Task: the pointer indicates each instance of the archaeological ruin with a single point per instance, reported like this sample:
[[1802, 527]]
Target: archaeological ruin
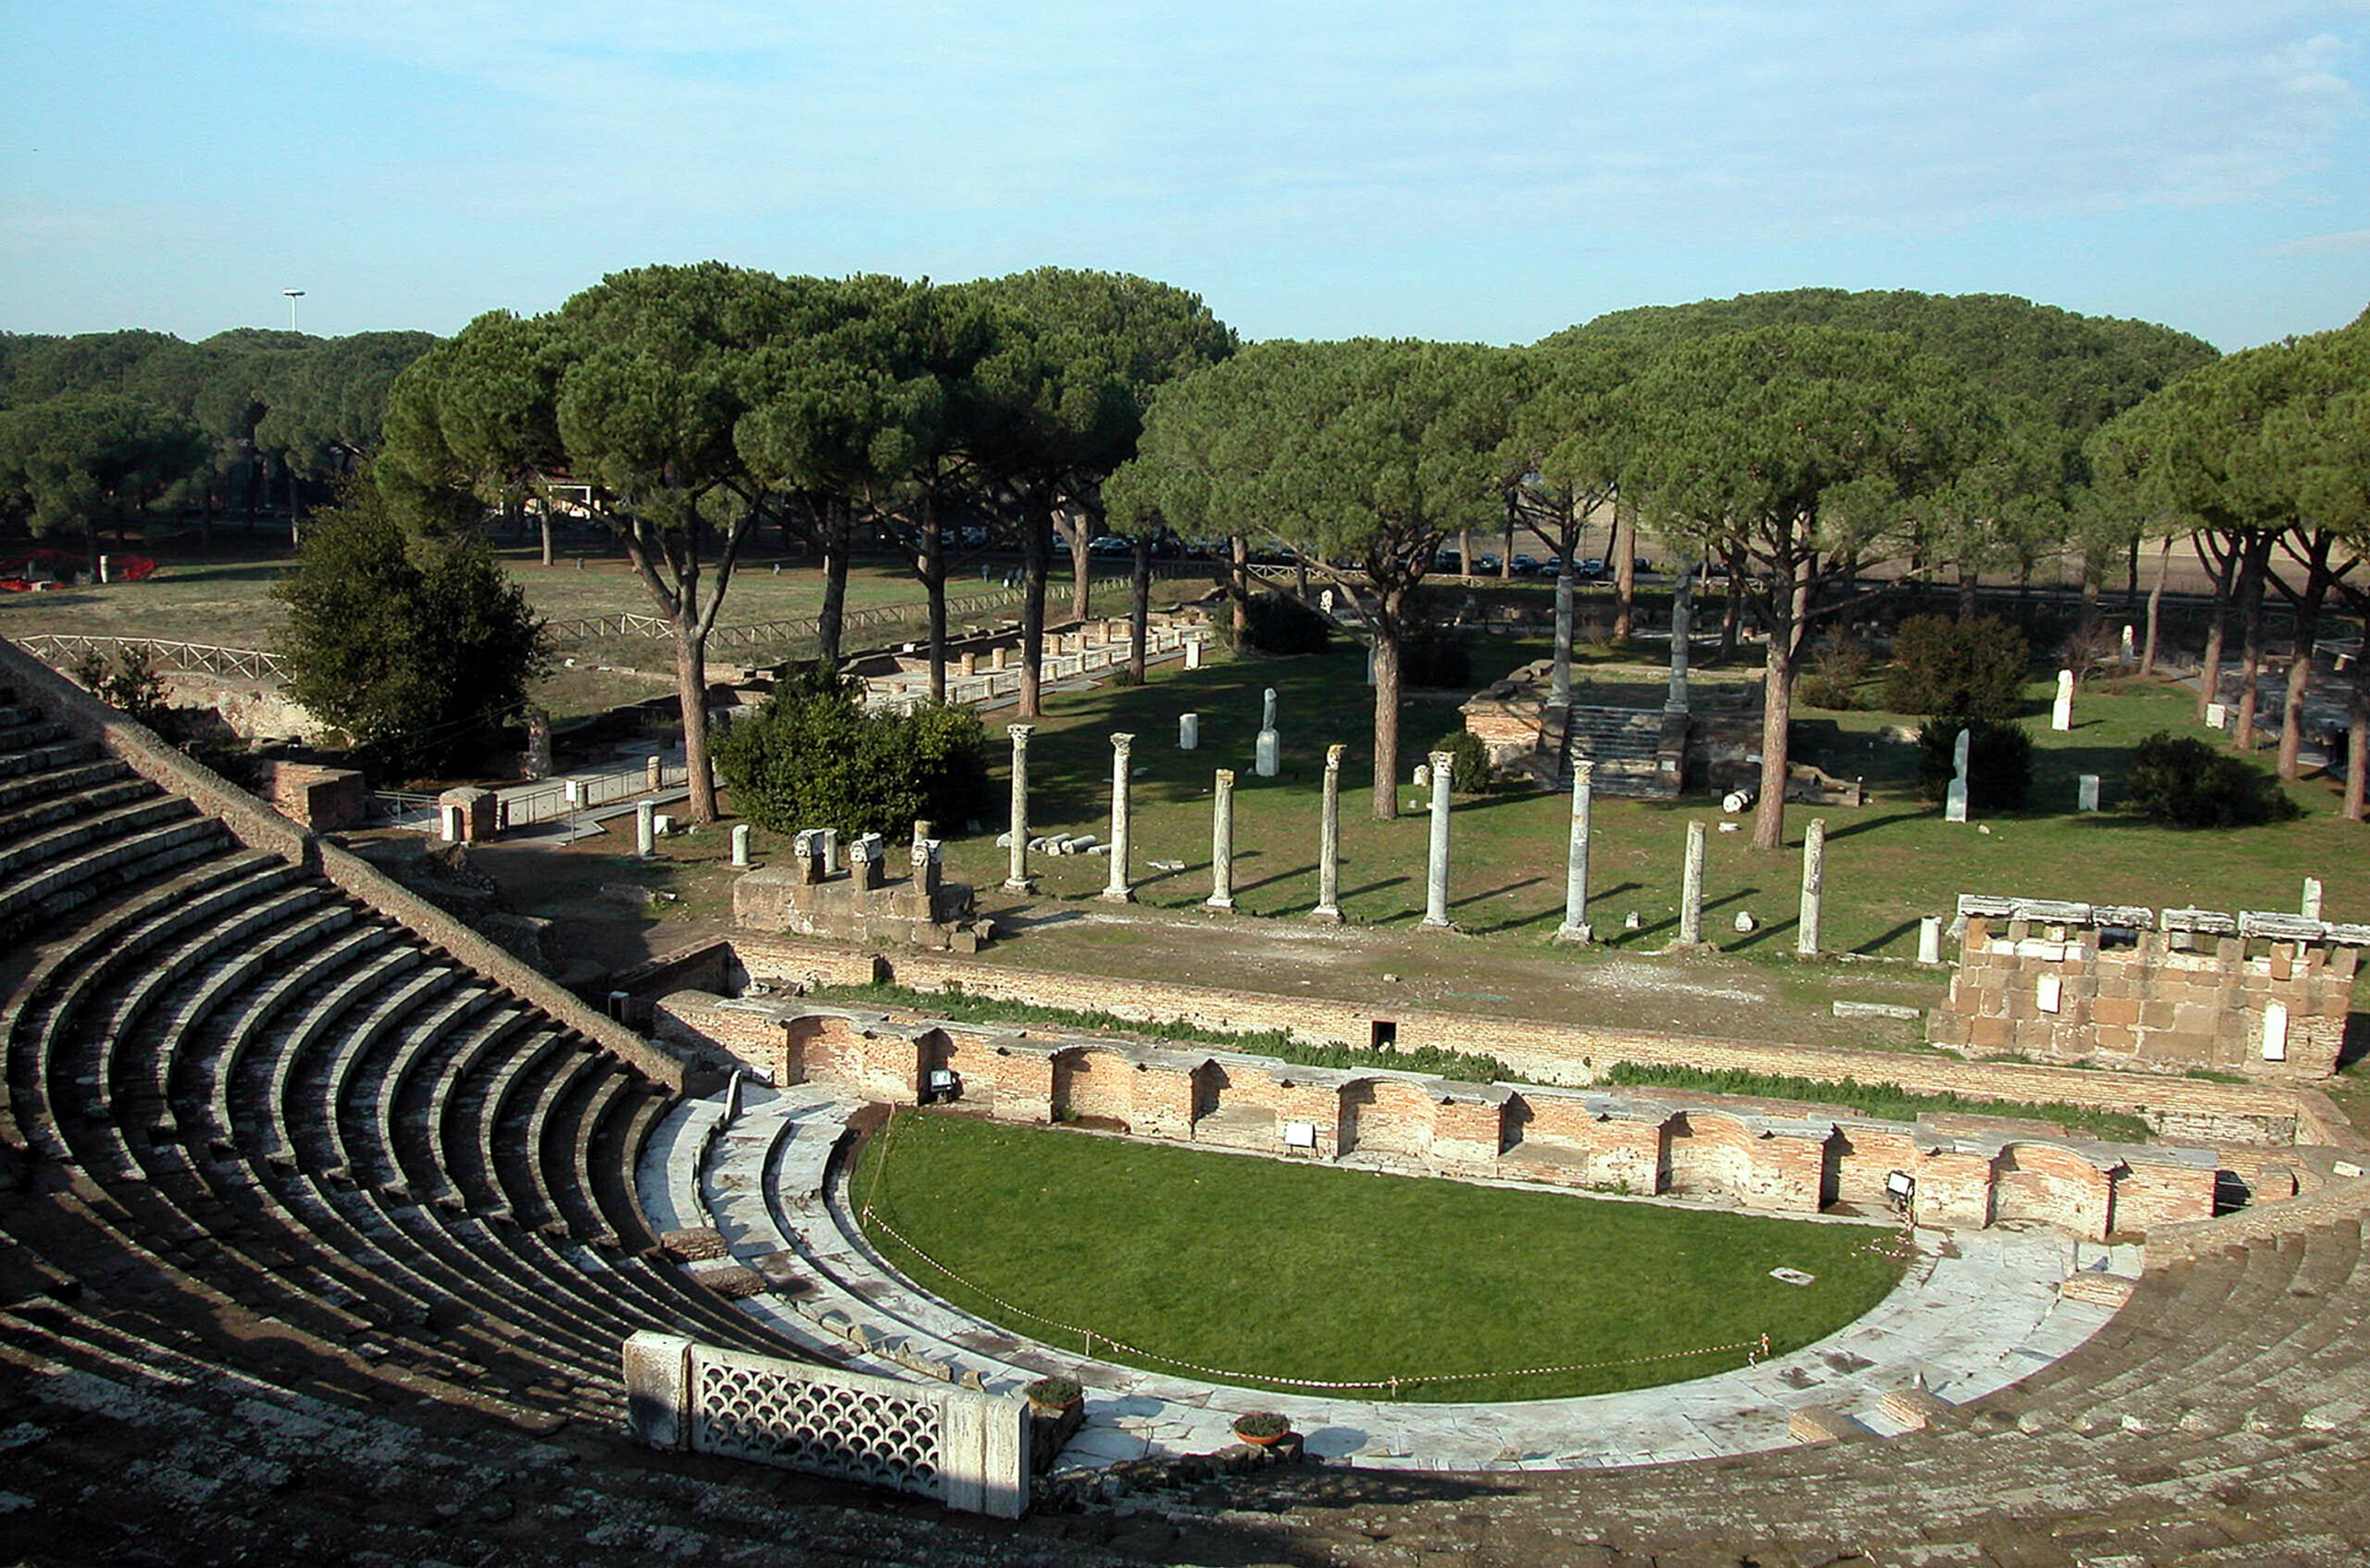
[[336, 1233]]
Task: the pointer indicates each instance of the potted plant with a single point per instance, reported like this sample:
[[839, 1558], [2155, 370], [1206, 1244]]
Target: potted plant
[[1261, 1429], [1052, 1396]]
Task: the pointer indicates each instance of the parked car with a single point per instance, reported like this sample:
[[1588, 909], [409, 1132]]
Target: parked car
[[1448, 561], [1485, 563], [1590, 569], [1526, 565]]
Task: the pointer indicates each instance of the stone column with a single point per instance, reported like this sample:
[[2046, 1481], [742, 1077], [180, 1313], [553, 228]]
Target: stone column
[[1328, 843], [1559, 679], [740, 844], [1691, 891], [1222, 844], [1682, 615], [1436, 873], [1813, 888], [1189, 732], [2061, 713], [1954, 798], [1267, 753], [1016, 879], [645, 828], [1930, 939], [2311, 908], [1117, 890], [654, 773], [1575, 860]]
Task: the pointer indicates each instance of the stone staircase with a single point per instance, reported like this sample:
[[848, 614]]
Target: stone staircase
[[1631, 755]]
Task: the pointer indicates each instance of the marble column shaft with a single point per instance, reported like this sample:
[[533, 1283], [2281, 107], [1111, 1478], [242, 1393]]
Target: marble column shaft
[[1813, 888], [1117, 890], [1222, 843], [1017, 881], [1575, 860], [1436, 870], [1328, 842], [1691, 890]]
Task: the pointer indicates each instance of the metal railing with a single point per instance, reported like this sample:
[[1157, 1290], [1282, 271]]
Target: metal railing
[[64, 649]]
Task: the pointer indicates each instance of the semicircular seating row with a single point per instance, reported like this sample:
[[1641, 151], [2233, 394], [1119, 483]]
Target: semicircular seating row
[[252, 1108]]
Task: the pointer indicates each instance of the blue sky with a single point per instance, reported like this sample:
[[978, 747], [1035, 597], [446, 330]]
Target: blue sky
[[1488, 171]]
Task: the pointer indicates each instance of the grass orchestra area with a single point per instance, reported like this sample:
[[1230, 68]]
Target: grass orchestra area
[[1283, 1275]]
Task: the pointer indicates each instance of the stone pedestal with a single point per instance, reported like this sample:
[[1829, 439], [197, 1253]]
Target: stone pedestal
[[1813, 888], [1189, 732], [2085, 791], [1328, 843], [1017, 878], [1118, 890], [740, 844], [1575, 927], [1222, 843], [1193, 654], [1930, 939], [1267, 755], [2061, 713], [645, 828], [1435, 865], [2311, 908], [654, 773]]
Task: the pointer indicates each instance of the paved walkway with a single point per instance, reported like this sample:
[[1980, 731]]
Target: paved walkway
[[1977, 1310]]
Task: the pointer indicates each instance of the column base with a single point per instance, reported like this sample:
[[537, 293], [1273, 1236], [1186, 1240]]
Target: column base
[[1020, 884], [1431, 925], [1323, 915], [1581, 934], [1217, 904], [1117, 895]]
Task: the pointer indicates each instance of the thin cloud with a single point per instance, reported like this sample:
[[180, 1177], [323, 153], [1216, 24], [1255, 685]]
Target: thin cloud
[[2325, 244]]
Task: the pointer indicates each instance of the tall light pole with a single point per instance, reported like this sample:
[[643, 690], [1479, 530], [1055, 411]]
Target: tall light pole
[[294, 295]]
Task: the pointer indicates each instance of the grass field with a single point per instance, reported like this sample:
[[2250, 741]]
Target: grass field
[[1308, 1272]]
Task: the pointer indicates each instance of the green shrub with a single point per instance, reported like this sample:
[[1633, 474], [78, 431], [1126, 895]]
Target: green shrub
[[1434, 656], [1053, 1393], [1470, 768], [1278, 623], [2183, 782], [1943, 668], [1999, 762], [1836, 670], [812, 758], [1265, 1424]]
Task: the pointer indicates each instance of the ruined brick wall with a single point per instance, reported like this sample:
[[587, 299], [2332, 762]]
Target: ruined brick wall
[[756, 1036], [2181, 1109], [323, 799], [2167, 1000]]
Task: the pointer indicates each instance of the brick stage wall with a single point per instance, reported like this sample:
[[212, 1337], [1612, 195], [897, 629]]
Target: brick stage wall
[[2181, 1110], [1732, 1150]]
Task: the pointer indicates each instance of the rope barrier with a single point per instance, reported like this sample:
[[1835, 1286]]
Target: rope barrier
[[1753, 1349]]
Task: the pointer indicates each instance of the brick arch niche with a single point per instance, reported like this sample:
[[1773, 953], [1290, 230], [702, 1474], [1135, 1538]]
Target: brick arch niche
[[1387, 1116], [2044, 1183], [1094, 1086], [1705, 1152]]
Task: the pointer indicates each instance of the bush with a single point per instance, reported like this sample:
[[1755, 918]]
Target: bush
[[1944, 668], [1278, 623], [129, 683], [1836, 670], [1055, 1393], [1470, 770], [2183, 782], [812, 758], [1999, 762], [1434, 656]]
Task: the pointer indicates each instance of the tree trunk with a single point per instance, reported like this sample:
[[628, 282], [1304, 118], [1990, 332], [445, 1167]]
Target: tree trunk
[[1465, 551], [1731, 614], [2357, 741], [1787, 604], [2252, 568], [1966, 592], [1138, 605], [544, 517], [1506, 556], [829, 620], [690, 694], [1238, 582], [933, 565], [1082, 572], [2155, 607], [2209, 673], [1390, 604], [1623, 552], [2300, 673], [1036, 555]]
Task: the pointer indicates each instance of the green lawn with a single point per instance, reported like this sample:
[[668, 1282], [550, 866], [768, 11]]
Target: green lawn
[[1275, 1271]]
